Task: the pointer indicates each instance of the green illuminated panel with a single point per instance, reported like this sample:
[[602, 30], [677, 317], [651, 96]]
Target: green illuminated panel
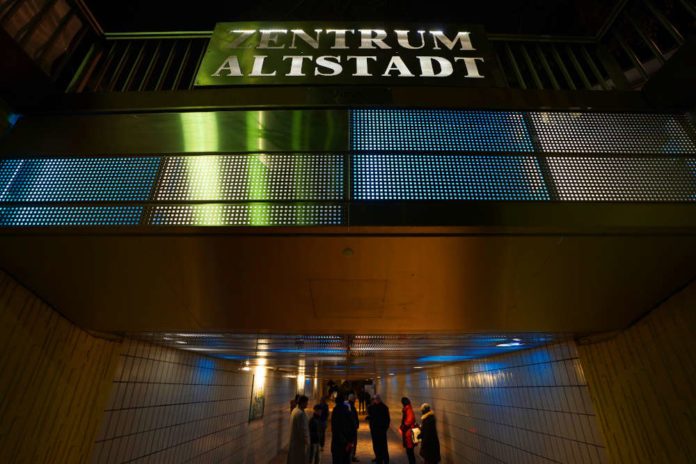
[[251, 177]]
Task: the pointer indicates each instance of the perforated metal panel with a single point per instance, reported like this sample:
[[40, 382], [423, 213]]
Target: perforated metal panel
[[70, 215], [624, 179], [252, 177], [612, 133], [353, 354], [252, 214], [439, 130], [446, 177], [77, 179]]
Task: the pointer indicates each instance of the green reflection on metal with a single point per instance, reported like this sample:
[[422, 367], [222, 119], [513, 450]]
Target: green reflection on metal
[[257, 168], [200, 133], [301, 214]]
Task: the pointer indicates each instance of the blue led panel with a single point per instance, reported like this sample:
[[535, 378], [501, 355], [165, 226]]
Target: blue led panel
[[70, 215], [249, 214], [77, 179], [624, 179], [628, 133], [447, 177], [439, 130], [252, 177]]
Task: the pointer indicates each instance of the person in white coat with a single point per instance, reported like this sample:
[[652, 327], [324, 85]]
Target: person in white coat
[[299, 433]]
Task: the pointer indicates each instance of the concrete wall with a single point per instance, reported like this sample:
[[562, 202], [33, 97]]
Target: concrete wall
[[54, 381], [527, 407], [643, 384], [173, 406]]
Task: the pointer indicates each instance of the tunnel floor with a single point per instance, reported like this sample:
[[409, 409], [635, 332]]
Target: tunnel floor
[[397, 455]]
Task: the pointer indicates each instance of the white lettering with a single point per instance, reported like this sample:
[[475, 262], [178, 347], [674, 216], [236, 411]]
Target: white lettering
[[462, 37], [426, 64], [269, 38], [257, 69], [243, 36], [231, 64], [339, 37], [308, 39], [296, 64], [326, 62], [472, 70], [371, 37], [361, 68], [402, 38], [398, 65]]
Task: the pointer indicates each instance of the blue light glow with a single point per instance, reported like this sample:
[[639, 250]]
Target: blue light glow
[[77, 179], [18, 216], [387, 176], [439, 130], [13, 118], [206, 369], [444, 358]]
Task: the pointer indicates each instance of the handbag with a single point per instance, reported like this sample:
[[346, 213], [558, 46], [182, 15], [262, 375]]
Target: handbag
[[416, 435]]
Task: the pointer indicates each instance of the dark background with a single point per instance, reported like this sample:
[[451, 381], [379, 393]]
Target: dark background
[[552, 17]]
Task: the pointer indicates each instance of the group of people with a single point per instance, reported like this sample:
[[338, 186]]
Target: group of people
[[307, 435]]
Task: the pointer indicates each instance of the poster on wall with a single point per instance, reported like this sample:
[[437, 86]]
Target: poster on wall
[[258, 399]]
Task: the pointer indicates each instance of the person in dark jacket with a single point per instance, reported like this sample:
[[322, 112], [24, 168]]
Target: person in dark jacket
[[356, 425], [315, 436], [408, 422], [430, 444], [342, 431], [324, 420], [378, 417]]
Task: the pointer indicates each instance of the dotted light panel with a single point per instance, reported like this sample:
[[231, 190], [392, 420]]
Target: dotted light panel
[[624, 179], [439, 130], [252, 177], [254, 214], [612, 133], [77, 179], [70, 215], [446, 177]]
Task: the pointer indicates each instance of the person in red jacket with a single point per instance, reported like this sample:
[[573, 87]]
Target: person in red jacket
[[408, 422]]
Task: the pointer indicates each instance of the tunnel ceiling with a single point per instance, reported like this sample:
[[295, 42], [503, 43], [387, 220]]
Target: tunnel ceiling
[[346, 356], [325, 283], [553, 17]]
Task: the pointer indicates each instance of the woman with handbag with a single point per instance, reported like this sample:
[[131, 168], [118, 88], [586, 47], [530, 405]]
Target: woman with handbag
[[408, 422], [430, 444]]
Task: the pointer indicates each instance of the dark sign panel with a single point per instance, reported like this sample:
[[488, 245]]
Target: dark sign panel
[[346, 54]]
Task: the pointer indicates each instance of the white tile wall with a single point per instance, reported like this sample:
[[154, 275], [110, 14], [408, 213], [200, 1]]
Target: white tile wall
[[171, 406], [532, 406]]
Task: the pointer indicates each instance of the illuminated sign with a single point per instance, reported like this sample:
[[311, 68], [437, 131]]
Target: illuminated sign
[[347, 53]]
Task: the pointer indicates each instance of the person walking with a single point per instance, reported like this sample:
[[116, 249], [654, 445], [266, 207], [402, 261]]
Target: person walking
[[324, 419], [408, 422], [341, 432], [378, 417], [299, 433], [356, 425], [315, 436], [430, 444]]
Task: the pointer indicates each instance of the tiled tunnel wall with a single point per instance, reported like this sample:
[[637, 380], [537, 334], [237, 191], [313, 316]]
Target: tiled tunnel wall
[[69, 396], [531, 406], [172, 406], [54, 381], [643, 384]]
